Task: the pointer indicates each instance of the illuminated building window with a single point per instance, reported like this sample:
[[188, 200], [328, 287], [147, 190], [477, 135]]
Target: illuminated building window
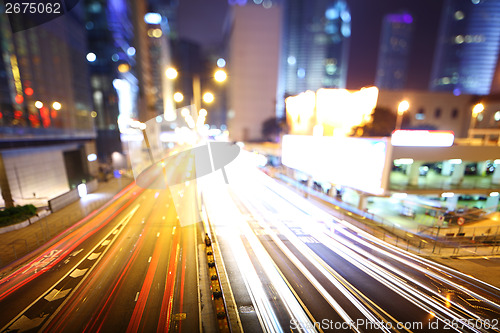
[[437, 113], [497, 116], [459, 15], [420, 115], [301, 73]]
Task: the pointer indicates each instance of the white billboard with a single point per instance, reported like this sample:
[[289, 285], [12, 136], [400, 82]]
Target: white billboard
[[357, 163]]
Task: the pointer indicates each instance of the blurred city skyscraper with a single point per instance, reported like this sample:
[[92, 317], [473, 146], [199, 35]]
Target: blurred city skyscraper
[[467, 47], [46, 112], [315, 47], [394, 51]]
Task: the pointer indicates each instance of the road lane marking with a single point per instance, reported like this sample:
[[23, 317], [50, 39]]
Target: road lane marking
[[173, 230], [149, 260], [136, 296], [75, 253], [94, 256], [157, 234], [78, 272], [19, 321], [107, 241], [55, 294], [24, 323]]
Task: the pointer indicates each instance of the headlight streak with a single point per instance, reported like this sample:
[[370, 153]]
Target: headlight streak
[[321, 215], [385, 277], [391, 278], [267, 316], [320, 265], [427, 263], [419, 268]]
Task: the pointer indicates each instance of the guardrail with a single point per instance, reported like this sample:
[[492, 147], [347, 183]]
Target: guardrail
[[218, 297], [465, 241], [65, 199]]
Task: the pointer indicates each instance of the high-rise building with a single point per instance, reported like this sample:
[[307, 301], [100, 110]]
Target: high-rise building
[[110, 34], [254, 46], [467, 47], [315, 47], [46, 125], [394, 51]]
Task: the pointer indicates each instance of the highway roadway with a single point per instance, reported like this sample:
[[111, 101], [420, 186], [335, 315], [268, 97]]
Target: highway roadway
[[292, 264], [133, 266], [129, 267]]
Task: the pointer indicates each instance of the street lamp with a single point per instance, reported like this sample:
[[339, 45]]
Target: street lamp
[[208, 97], [171, 73], [402, 108], [56, 106], [476, 110], [178, 97], [220, 75]]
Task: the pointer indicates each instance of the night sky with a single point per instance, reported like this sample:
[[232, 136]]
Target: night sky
[[202, 20]]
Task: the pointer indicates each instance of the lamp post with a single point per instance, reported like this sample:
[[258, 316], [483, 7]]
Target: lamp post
[[219, 76], [402, 108], [476, 110]]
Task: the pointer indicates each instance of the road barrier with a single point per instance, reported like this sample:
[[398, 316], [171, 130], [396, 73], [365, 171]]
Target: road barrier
[[218, 298]]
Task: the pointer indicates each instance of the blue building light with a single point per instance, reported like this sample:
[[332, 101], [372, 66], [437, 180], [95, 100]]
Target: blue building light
[[152, 18]]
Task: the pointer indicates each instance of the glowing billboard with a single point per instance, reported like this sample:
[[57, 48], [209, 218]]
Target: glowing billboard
[[330, 111], [422, 138], [300, 111], [353, 162]]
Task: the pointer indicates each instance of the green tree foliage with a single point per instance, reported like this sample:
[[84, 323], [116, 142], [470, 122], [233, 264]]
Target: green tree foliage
[[16, 214]]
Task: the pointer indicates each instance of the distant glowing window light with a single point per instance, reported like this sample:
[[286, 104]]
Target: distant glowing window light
[[301, 73], [455, 161], [82, 190], [156, 33], [123, 68], [497, 116], [291, 60], [91, 57], [399, 195], [91, 157], [420, 138], [447, 195], [221, 63], [131, 51], [152, 18], [403, 161], [494, 194]]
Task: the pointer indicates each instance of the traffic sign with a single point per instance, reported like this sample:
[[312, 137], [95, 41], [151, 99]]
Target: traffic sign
[[460, 221]]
